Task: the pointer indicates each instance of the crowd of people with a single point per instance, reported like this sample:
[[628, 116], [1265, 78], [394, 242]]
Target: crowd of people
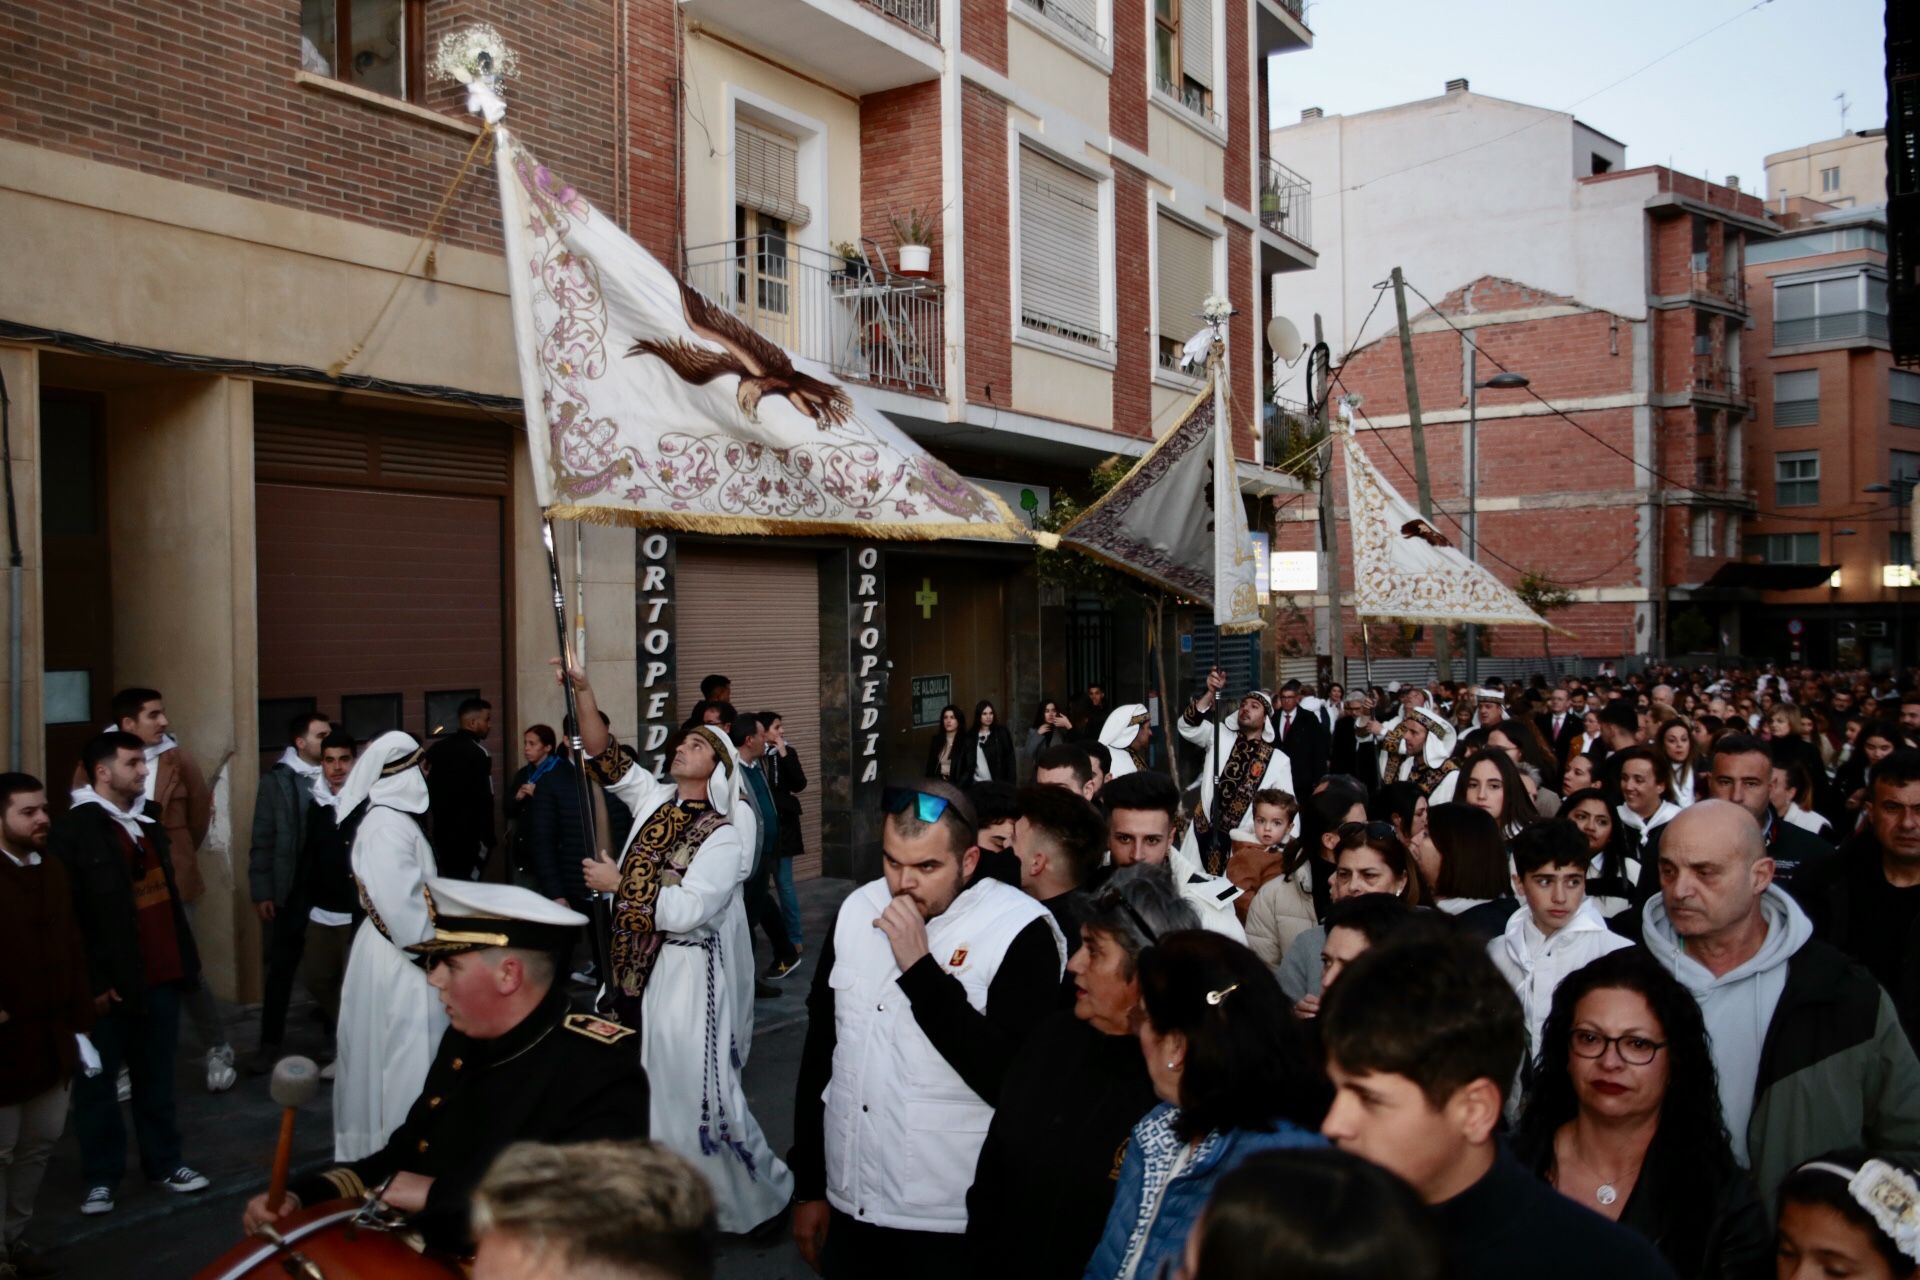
[[1596, 977]]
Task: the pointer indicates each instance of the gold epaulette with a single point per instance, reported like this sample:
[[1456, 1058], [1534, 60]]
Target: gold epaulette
[[593, 1028], [346, 1183]]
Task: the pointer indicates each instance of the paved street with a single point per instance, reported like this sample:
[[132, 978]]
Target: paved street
[[229, 1137]]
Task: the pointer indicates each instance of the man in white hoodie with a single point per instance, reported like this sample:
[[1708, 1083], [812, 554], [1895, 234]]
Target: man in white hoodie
[[1809, 1051], [1560, 930]]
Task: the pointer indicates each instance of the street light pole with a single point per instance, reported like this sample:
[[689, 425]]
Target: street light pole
[[1499, 381], [1833, 604]]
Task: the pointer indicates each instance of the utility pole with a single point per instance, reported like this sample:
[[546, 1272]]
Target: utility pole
[[1442, 649], [1329, 532]]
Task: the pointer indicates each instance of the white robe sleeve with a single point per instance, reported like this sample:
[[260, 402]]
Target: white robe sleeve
[[706, 888], [392, 861], [1200, 735]]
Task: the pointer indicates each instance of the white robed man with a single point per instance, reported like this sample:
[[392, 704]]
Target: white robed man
[[391, 1019], [681, 958], [1125, 737], [1241, 760]]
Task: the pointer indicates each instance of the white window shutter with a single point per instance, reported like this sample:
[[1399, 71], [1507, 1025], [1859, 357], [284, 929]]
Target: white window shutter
[[1059, 249], [1196, 40], [766, 173], [1186, 278]]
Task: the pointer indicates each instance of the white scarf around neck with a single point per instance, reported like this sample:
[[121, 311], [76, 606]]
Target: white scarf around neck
[[130, 820]]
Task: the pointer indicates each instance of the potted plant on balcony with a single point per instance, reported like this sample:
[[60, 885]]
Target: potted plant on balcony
[[853, 263], [914, 232]]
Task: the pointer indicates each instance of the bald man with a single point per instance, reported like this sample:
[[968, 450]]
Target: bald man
[[1809, 1050]]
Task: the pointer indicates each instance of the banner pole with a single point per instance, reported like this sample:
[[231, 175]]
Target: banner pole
[[599, 926]]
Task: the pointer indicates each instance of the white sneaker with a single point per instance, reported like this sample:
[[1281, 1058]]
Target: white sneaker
[[183, 1180], [123, 1086], [331, 1070], [220, 1072], [99, 1200]]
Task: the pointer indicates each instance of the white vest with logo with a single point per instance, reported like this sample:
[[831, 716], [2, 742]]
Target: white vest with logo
[[903, 1130]]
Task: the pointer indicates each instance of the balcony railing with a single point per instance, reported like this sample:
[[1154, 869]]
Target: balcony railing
[[1833, 328], [1713, 378], [863, 321], [1286, 203], [1063, 16], [922, 15], [1719, 285], [1194, 100]]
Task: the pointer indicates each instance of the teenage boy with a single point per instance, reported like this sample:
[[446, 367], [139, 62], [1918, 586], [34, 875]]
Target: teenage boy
[[1252, 865], [1422, 1036], [1560, 930]]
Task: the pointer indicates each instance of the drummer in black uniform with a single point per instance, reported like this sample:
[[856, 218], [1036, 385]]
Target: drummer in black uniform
[[516, 1064]]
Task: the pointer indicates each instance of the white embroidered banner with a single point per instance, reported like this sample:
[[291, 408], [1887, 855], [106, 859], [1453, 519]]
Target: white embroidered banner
[[649, 403], [1405, 569]]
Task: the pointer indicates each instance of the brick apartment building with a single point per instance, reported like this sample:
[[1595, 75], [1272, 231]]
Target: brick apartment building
[[1619, 293], [222, 204]]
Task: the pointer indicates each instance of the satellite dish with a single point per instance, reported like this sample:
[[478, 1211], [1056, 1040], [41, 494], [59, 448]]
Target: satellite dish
[[1283, 339]]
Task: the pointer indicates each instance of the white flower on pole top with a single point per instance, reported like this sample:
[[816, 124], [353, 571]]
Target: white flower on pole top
[[1216, 309], [477, 57]]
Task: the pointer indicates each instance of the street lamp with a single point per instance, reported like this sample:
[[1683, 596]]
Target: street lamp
[[1503, 381]]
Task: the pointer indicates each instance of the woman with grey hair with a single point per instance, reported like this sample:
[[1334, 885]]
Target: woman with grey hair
[[1044, 1184]]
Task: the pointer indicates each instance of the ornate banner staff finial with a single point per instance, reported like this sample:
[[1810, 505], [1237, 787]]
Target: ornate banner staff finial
[[477, 57]]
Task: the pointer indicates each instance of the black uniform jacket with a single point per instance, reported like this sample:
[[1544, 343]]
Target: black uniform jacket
[[557, 1077]]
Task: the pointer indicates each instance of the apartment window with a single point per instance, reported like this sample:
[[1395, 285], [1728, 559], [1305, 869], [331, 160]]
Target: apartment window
[[1830, 179], [1784, 548], [1903, 472], [1185, 280], [1830, 309], [1698, 260], [1701, 533], [371, 44], [1702, 334], [1796, 398], [1060, 250], [1903, 398], [1600, 164], [766, 194], [1796, 479], [1078, 16], [1900, 549], [1183, 52]]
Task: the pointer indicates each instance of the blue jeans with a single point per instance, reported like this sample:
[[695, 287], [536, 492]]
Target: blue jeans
[[144, 1038], [789, 900]]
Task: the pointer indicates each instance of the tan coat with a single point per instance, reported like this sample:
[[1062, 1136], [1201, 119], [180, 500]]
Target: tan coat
[[186, 810]]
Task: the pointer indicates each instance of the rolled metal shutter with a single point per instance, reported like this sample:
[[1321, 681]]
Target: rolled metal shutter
[[1196, 40], [766, 173], [754, 617], [1059, 247], [1186, 277]]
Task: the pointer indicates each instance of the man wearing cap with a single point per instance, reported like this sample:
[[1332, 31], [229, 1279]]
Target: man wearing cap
[[1490, 708], [1125, 737], [516, 1065], [681, 956], [1241, 760]]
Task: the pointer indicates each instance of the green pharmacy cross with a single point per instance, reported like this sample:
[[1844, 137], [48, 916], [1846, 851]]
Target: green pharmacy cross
[[926, 597]]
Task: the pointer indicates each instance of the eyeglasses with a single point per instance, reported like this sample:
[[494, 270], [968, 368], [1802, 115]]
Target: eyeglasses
[[1114, 898], [926, 807], [1635, 1051], [1366, 830]]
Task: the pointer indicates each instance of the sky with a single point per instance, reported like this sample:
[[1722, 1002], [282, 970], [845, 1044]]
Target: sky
[[1763, 82]]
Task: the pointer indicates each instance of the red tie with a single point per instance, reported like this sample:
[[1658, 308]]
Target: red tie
[[1286, 726]]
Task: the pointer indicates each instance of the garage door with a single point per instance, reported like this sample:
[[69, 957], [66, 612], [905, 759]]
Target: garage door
[[755, 617]]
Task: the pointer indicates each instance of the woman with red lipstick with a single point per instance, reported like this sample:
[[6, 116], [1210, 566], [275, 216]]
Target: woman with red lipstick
[[1624, 1119]]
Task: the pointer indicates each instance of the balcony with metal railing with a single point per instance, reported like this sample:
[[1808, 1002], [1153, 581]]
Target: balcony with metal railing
[[922, 15], [1281, 27], [861, 319], [858, 46], [1286, 211]]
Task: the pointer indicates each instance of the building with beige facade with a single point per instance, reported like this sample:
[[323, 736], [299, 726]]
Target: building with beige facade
[[1841, 172]]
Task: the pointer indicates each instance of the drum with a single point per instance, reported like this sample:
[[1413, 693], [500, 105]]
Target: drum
[[332, 1241]]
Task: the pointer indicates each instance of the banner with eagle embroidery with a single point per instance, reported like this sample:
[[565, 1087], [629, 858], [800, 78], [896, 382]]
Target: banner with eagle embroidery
[[1162, 521], [649, 403], [1405, 569]]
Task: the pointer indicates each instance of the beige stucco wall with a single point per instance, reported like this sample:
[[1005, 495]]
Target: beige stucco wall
[[179, 454], [21, 368], [1046, 70], [1054, 386], [1193, 155]]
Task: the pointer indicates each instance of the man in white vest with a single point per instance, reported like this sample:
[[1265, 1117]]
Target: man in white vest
[[927, 987]]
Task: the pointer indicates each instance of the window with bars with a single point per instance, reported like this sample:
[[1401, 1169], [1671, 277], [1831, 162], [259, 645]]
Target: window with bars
[[371, 44], [1832, 309], [1903, 398], [1796, 398], [1784, 548], [1183, 52], [1796, 479], [1185, 278], [1060, 251]]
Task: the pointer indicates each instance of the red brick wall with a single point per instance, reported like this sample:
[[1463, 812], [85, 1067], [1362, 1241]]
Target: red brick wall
[[1133, 305], [900, 162], [1126, 88], [204, 92], [1238, 106], [654, 127], [1240, 357], [983, 32], [989, 303]]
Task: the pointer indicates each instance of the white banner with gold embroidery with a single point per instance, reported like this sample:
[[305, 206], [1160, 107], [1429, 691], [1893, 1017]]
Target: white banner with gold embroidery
[[649, 403], [1405, 569]]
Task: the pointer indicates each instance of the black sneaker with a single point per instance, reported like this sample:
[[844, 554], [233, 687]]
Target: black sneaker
[[99, 1200], [184, 1180], [781, 968]]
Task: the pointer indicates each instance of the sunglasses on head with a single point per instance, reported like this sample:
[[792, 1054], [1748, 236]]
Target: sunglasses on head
[[1114, 898], [926, 807], [1368, 830]]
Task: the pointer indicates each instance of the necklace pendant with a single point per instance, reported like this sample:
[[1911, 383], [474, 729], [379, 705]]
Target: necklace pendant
[[1605, 1193]]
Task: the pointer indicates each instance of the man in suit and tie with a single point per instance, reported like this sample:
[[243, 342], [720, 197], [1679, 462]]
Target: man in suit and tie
[[1302, 736], [1559, 724]]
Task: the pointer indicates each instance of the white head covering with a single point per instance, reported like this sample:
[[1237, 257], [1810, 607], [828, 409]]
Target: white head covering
[[725, 785], [1231, 721], [387, 773], [1123, 726], [1439, 738]]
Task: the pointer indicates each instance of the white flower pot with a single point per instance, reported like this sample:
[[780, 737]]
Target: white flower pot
[[916, 259]]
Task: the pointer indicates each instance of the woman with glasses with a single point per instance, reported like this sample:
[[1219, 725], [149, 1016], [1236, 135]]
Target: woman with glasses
[[1624, 1119], [1368, 858], [1235, 1076], [1073, 1095]]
